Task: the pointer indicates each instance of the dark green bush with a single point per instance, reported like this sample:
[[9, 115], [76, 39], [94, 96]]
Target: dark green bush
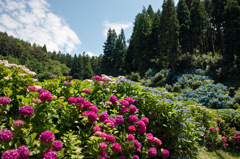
[[134, 76]]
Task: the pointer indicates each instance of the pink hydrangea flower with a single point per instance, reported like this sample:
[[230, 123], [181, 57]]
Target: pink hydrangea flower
[[116, 147], [145, 120], [113, 99], [110, 138], [80, 100], [103, 116], [113, 120], [124, 103], [141, 124], [46, 96], [104, 79], [23, 152], [72, 100], [85, 113], [133, 118], [18, 123], [110, 122], [86, 90], [97, 78], [6, 135], [102, 145], [135, 157], [130, 100], [151, 139], [131, 128], [4, 100], [108, 102], [137, 145], [103, 135], [104, 154], [26, 111], [92, 116], [158, 141], [124, 110], [47, 136], [133, 108], [10, 154], [131, 137], [211, 128], [97, 128], [57, 145], [142, 130], [49, 154], [119, 119], [165, 153], [93, 109], [32, 88], [87, 104], [37, 101], [152, 151]]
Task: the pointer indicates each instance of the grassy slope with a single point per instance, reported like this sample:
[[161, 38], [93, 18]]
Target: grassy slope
[[218, 154]]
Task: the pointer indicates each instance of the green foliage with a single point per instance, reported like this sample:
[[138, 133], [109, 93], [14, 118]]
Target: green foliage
[[134, 76]]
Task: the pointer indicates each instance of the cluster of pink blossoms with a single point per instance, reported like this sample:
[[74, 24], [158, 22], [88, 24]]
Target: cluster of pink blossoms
[[4, 100], [26, 110], [32, 88], [21, 153], [18, 123], [6, 135], [99, 78], [86, 90]]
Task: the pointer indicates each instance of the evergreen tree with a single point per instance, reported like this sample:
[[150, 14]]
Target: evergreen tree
[[75, 69], [169, 33], [184, 22], [150, 12], [109, 51], [232, 32], [88, 72]]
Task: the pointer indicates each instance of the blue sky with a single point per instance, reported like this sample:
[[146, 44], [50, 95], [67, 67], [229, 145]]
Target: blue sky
[[71, 26]]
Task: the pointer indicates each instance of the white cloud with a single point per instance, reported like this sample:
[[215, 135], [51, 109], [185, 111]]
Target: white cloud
[[33, 21], [176, 2], [117, 26], [90, 54]]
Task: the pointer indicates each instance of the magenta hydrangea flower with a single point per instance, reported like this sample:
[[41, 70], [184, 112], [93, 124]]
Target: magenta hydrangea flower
[[133, 118], [113, 99], [123, 157], [165, 153], [23, 152], [4, 100], [110, 138], [46, 96], [131, 137], [116, 147], [104, 79], [18, 123], [137, 145], [97, 78], [6, 135], [26, 111], [130, 100], [211, 128], [131, 128], [133, 108], [68, 77], [152, 151], [113, 120], [87, 104], [119, 119], [41, 90], [86, 90], [108, 102], [92, 116], [102, 145], [103, 135], [151, 139], [145, 120], [80, 100], [72, 100], [104, 154], [37, 101], [47, 136], [135, 157], [141, 124], [32, 88], [57, 145], [124, 110], [49, 154], [97, 128], [67, 83], [110, 122], [142, 130], [158, 141], [93, 109], [53, 76], [103, 116], [10, 154], [124, 103], [85, 113]]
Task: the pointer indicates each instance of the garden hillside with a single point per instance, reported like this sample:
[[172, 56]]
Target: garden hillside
[[190, 35], [107, 117]]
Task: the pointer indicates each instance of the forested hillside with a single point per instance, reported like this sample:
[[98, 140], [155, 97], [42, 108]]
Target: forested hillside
[[194, 34]]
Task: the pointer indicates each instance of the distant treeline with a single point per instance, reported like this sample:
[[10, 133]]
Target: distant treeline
[[194, 34]]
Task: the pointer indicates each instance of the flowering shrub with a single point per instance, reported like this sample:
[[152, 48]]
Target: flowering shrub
[[118, 118]]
